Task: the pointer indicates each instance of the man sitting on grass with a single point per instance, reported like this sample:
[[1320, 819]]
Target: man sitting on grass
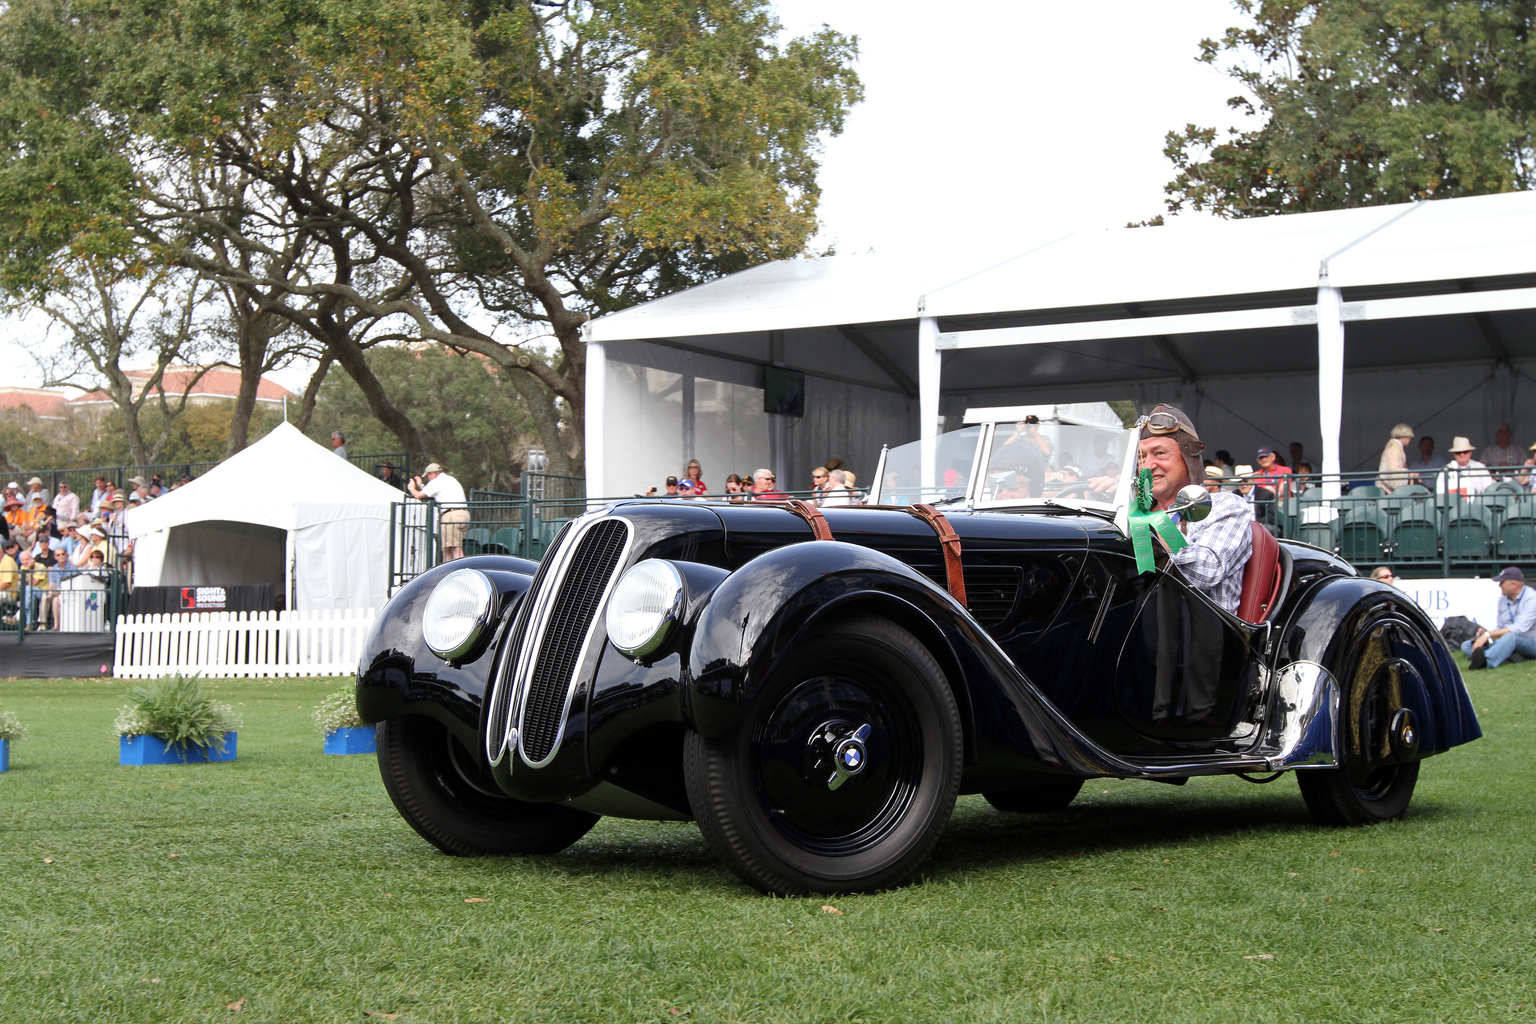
[[1516, 630]]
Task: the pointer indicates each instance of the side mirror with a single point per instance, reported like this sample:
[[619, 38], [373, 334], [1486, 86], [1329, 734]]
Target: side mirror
[[1193, 501]]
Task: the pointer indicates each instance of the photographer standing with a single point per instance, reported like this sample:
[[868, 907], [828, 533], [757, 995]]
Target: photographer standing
[[448, 493]]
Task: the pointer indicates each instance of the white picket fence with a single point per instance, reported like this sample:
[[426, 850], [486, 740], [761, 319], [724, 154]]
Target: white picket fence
[[325, 642]]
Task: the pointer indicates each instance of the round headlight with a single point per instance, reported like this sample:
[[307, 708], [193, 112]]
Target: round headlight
[[644, 606], [457, 612]]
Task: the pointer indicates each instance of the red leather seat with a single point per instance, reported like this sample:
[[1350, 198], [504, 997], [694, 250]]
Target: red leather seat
[[1261, 577]]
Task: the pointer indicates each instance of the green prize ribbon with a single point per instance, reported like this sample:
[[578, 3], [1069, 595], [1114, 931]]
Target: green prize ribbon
[[1144, 519]]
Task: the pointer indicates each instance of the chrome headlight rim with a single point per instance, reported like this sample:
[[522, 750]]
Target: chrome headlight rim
[[667, 611], [470, 584]]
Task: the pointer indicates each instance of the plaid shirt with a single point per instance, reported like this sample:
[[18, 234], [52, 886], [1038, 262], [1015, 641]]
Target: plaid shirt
[[1218, 551]]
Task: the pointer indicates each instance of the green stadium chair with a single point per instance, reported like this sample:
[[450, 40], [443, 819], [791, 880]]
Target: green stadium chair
[[510, 540], [1468, 533], [1363, 535]]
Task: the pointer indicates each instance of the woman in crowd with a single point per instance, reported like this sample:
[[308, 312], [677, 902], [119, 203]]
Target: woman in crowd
[[692, 483], [733, 488]]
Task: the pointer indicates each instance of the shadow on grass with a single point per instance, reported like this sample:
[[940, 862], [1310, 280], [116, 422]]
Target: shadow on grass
[[674, 853]]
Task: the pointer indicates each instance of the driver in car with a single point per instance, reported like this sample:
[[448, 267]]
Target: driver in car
[[1218, 550], [1219, 545]]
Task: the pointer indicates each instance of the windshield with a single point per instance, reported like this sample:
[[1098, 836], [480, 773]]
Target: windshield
[[907, 478], [1035, 461], [1002, 464]]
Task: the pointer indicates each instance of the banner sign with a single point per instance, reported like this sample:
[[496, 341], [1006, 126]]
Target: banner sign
[[203, 599], [1478, 600]]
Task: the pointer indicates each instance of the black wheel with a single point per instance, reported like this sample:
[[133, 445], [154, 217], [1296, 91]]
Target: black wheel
[[844, 773], [1358, 794], [440, 789], [1050, 793]]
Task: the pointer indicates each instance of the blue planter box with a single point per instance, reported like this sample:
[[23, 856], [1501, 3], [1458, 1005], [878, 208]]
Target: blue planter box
[[153, 750], [5, 755], [351, 740]]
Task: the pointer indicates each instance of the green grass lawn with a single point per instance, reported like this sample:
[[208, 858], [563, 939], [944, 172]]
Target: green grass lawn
[[285, 883]]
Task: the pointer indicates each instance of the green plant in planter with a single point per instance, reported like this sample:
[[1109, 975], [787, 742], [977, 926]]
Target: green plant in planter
[[179, 710], [337, 711], [11, 728]]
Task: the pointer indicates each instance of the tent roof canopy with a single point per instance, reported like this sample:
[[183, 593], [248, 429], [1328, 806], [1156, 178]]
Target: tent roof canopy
[[854, 317], [285, 481]]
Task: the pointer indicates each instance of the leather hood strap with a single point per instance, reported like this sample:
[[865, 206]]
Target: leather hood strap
[[949, 542], [812, 516]]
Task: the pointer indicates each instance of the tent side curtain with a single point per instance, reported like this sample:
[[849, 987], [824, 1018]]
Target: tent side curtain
[[661, 404], [342, 563]]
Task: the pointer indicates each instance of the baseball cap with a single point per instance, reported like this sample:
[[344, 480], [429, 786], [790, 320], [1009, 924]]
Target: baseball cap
[[1266, 451], [1511, 573], [671, 481], [432, 467]]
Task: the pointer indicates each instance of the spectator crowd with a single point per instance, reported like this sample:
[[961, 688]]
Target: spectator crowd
[[49, 539]]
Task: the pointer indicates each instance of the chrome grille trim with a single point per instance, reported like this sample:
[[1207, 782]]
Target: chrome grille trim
[[591, 629], [501, 718]]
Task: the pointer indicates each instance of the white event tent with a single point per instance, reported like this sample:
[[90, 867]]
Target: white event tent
[[284, 511], [1325, 328]]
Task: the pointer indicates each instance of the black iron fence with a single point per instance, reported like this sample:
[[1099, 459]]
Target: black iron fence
[[82, 479], [499, 523], [1459, 523], [66, 601]]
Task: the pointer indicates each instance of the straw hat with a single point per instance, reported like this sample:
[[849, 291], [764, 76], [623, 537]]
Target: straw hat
[[1461, 445]]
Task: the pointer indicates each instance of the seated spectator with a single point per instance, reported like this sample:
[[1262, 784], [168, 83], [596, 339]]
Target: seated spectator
[[1502, 453], [1392, 470], [59, 573], [820, 480], [672, 490], [1516, 630], [10, 580], [1271, 475], [764, 487], [35, 490], [733, 488], [837, 493], [35, 572], [13, 513], [1214, 478], [851, 481], [1303, 479], [1297, 456], [140, 487], [1384, 574], [1261, 499], [1463, 474], [391, 476]]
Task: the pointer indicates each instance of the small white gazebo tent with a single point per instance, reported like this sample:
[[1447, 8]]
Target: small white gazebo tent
[[285, 511]]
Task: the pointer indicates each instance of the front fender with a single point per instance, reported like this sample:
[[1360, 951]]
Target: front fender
[[1354, 627], [398, 674], [753, 617]]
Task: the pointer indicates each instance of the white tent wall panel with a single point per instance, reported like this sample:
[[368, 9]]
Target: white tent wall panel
[[221, 645]]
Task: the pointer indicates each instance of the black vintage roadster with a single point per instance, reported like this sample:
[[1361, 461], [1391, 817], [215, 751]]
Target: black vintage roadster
[[815, 687]]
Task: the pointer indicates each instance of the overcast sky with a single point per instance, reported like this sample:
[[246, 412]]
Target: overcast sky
[[985, 125]]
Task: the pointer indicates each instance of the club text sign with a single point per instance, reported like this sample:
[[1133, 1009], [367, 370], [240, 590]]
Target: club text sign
[[1476, 599]]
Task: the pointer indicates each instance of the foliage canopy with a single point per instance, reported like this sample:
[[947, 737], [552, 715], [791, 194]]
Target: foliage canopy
[[1365, 102]]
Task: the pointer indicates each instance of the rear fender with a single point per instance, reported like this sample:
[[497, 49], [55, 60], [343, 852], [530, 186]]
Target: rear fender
[[1384, 654]]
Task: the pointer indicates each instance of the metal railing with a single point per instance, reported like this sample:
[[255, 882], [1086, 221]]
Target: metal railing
[[82, 479], [87, 601], [499, 524], [1450, 524]]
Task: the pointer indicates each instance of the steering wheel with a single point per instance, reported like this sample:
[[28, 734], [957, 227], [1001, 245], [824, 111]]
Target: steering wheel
[[1074, 489]]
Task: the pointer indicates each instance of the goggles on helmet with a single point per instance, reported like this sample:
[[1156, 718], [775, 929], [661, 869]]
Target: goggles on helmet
[[1159, 423]]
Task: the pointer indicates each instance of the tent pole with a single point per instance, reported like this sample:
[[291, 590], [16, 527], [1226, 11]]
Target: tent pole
[[596, 383], [1330, 381], [928, 373]]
